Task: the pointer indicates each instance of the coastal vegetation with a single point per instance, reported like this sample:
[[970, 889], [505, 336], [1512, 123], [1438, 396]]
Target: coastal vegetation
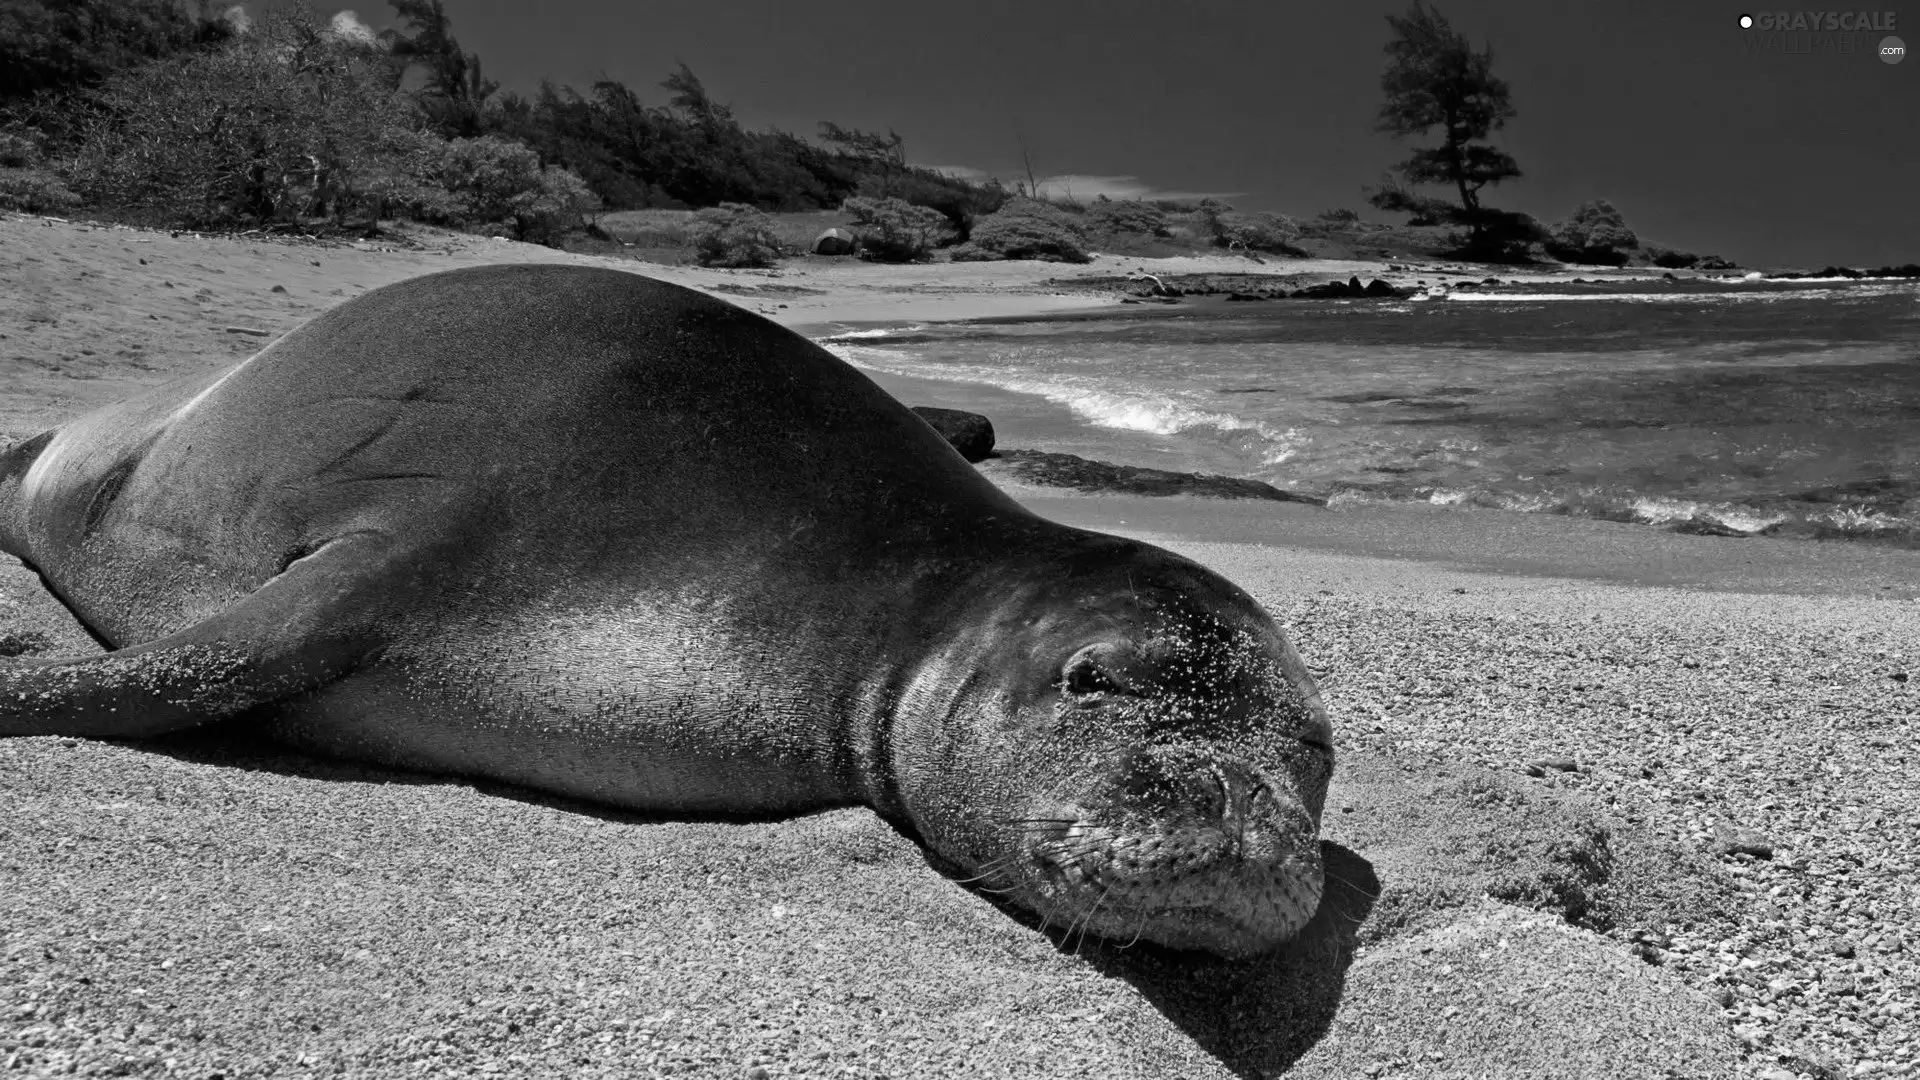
[[167, 113], [734, 235], [1595, 233], [140, 110], [1027, 228], [895, 230]]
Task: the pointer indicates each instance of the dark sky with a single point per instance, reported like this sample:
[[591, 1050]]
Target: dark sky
[[1666, 108]]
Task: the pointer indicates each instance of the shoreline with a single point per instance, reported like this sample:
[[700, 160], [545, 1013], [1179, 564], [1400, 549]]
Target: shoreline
[[1499, 543], [106, 310]]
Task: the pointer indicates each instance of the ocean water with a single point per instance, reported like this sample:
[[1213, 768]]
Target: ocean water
[[1790, 410]]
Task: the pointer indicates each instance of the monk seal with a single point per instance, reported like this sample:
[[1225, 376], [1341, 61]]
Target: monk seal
[[586, 532]]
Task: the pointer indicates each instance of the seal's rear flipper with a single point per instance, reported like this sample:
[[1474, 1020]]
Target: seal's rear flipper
[[300, 630]]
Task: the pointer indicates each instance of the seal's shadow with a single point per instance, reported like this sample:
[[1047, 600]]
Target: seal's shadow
[[1257, 1017]]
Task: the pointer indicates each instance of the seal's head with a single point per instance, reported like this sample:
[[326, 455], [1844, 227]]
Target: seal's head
[[1124, 743]]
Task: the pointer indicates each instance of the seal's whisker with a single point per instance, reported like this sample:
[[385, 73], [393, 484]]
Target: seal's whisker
[[988, 870], [1331, 876], [1086, 923], [1046, 917]]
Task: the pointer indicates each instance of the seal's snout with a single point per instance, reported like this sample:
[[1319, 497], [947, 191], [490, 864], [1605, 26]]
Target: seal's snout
[[1183, 848]]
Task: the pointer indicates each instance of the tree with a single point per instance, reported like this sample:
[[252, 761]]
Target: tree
[[691, 99], [64, 44], [293, 119], [1435, 79], [456, 92], [885, 155]]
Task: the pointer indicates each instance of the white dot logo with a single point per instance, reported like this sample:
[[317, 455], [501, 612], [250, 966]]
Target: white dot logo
[[1892, 50], [1746, 22]]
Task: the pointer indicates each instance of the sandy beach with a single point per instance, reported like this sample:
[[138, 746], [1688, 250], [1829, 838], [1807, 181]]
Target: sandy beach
[[1564, 745]]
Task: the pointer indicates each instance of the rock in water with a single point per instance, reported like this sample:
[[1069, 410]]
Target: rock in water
[[970, 433]]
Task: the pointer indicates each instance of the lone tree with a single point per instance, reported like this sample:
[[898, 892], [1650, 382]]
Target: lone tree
[[1434, 78]]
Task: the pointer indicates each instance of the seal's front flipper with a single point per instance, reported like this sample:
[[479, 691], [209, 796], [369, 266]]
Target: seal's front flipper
[[305, 627]]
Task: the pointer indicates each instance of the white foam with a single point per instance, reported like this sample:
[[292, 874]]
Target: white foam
[[1099, 404], [878, 332], [1695, 298], [1656, 510], [1747, 521], [1878, 288], [1855, 519]]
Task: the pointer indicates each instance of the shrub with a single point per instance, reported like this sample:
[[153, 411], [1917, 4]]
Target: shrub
[[894, 230], [558, 206], [733, 234], [406, 181], [35, 191], [1274, 233], [961, 203], [18, 151], [1504, 236], [282, 123], [24, 184], [1026, 229], [1671, 259], [488, 177], [1596, 233], [1212, 213], [490, 180], [480, 182], [1128, 216], [1339, 215]]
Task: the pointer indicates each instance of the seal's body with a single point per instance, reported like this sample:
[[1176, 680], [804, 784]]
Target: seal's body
[[595, 534]]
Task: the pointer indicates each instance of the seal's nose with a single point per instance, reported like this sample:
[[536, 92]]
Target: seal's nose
[[1239, 786], [1241, 796], [1219, 790]]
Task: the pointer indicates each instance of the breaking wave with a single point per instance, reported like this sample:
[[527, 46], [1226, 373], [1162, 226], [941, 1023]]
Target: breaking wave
[[1092, 399]]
